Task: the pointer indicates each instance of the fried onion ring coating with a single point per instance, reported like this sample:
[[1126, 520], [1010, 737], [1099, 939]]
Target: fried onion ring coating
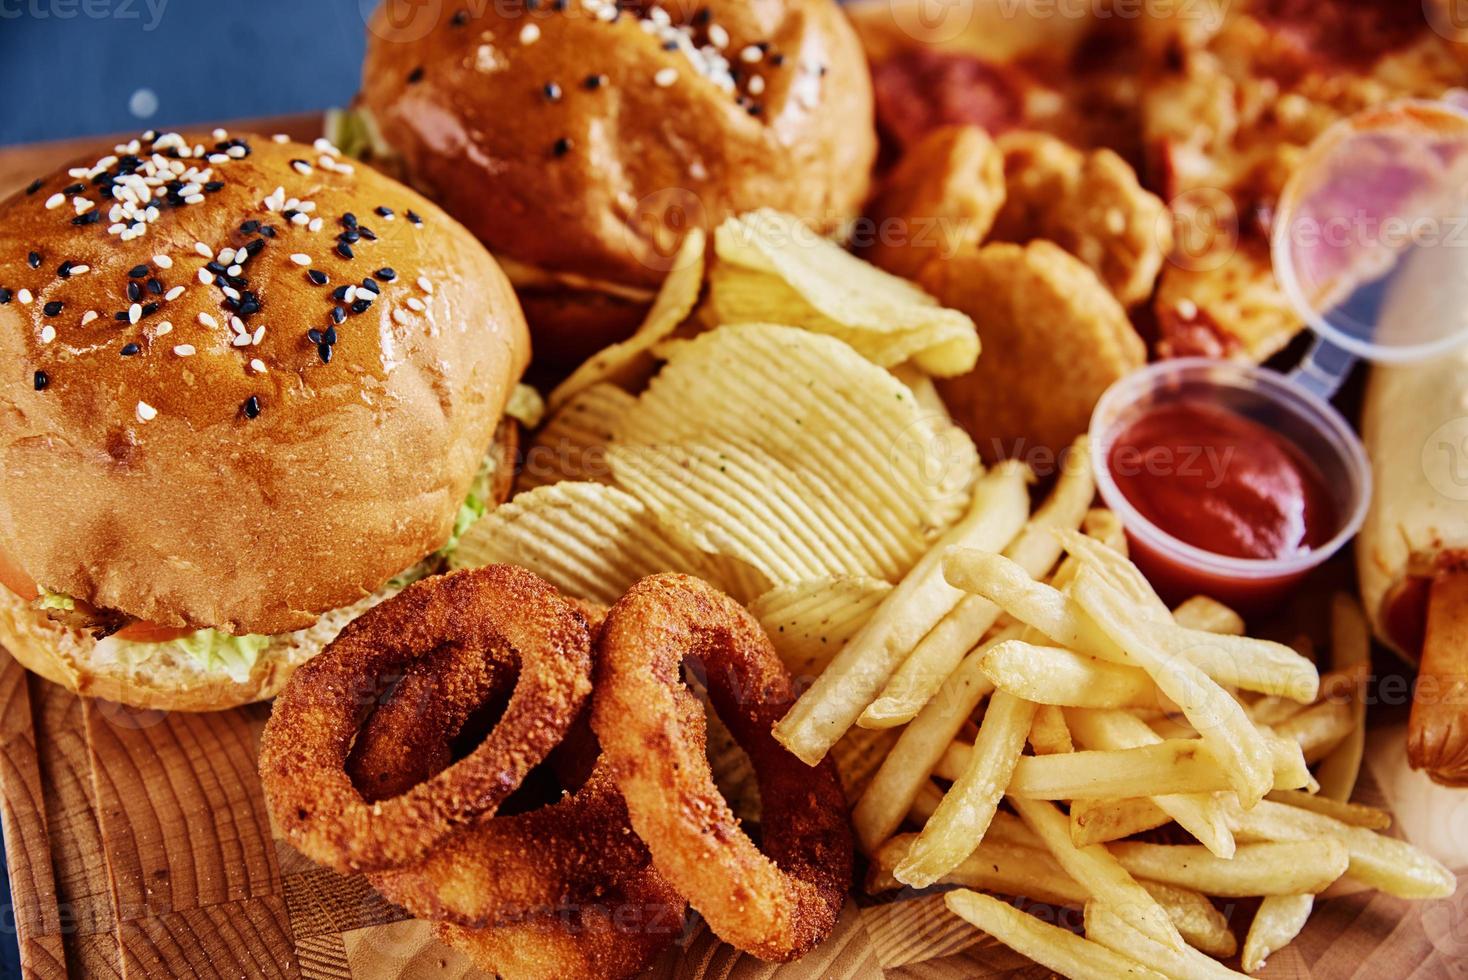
[[505, 615], [653, 731]]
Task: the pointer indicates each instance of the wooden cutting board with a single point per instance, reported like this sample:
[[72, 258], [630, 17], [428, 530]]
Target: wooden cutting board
[[138, 845]]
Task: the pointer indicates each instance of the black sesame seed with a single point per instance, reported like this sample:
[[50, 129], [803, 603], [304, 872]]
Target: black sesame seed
[[250, 227], [349, 220], [384, 211], [268, 231], [670, 45], [560, 5], [386, 274], [345, 251], [703, 16], [371, 287], [248, 307], [361, 305], [35, 185], [5, 295], [155, 286], [128, 350], [53, 308], [367, 233], [351, 236], [213, 186], [74, 189], [64, 269], [552, 91], [121, 316], [340, 294], [289, 213], [777, 60], [251, 407], [255, 246], [90, 218], [215, 268], [42, 379], [33, 260], [149, 309], [314, 336], [561, 146], [338, 314], [413, 217], [594, 82], [134, 291], [317, 276], [755, 110], [329, 338], [323, 351], [460, 18], [137, 272], [415, 76]]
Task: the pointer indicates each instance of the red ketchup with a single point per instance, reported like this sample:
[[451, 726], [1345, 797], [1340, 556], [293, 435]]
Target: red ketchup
[[1226, 485]]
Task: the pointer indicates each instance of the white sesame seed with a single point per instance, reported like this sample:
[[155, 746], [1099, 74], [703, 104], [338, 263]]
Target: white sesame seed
[[25, 297], [241, 340], [665, 77], [163, 262], [208, 321], [300, 218], [400, 317], [163, 329], [55, 201], [236, 152], [529, 34], [258, 335], [80, 270], [757, 85], [220, 134], [88, 317], [751, 55], [135, 313], [48, 334], [301, 259], [350, 294], [146, 412], [416, 304], [257, 365], [237, 325], [205, 276], [281, 138], [204, 250], [325, 145], [718, 36], [301, 167], [174, 293], [218, 158], [1187, 309], [194, 199], [425, 285], [82, 205], [232, 293], [184, 350], [233, 270], [316, 224]]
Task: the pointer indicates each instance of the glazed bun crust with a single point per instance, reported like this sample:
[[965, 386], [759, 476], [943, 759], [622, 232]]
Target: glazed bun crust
[[466, 105], [157, 470]]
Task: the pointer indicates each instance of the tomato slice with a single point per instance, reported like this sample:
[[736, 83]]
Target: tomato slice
[[14, 578], [145, 632]]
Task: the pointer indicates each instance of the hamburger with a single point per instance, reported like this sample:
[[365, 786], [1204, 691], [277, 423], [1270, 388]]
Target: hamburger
[[580, 139], [248, 390]]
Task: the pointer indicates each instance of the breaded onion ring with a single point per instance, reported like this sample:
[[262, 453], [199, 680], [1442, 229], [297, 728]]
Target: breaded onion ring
[[504, 614], [653, 730], [567, 890]]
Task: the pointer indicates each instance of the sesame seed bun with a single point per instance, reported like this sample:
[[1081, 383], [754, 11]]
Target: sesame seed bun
[[577, 145], [237, 454]]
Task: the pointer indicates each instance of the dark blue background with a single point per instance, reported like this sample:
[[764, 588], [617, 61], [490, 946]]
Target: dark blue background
[[73, 67]]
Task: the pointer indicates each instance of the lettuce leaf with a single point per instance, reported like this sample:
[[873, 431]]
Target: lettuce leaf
[[213, 651]]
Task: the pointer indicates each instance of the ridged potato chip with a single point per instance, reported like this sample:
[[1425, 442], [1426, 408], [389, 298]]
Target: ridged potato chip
[[789, 451], [594, 542], [573, 444], [809, 622], [773, 269], [630, 362]]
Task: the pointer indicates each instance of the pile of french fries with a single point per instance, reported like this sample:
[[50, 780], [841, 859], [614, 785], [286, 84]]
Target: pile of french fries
[[1101, 715]]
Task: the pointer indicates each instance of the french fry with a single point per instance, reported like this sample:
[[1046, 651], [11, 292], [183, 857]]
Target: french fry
[[1099, 873], [925, 804], [1208, 615], [1254, 665], [1199, 814], [1051, 946], [895, 787], [1117, 572], [1350, 650], [1277, 868], [1202, 926], [1055, 676], [1385, 863], [1166, 767], [1108, 927], [1035, 550], [1206, 705], [1278, 921], [1319, 728], [968, 808], [1355, 814], [1097, 821], [1048, 732], [857, 674]]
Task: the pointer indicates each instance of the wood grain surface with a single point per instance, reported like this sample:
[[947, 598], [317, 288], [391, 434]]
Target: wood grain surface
[[138, 846]]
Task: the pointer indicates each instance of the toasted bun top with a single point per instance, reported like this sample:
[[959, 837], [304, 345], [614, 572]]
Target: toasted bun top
[[576, 138], [205, 454]]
